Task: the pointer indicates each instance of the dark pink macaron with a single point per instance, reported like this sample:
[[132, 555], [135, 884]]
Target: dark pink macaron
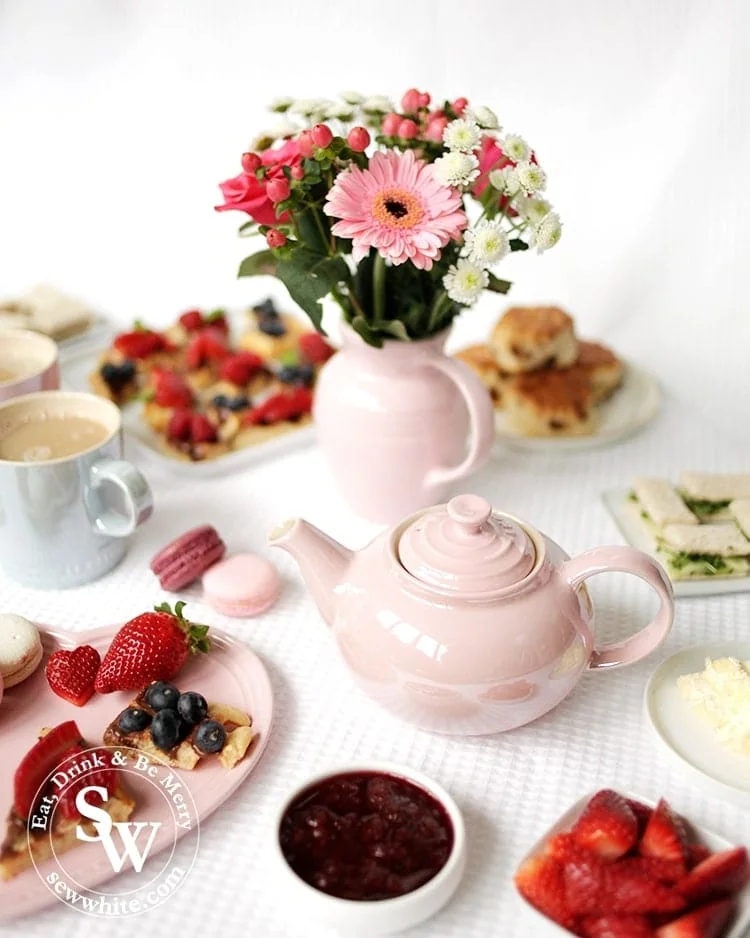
[[186, 558]]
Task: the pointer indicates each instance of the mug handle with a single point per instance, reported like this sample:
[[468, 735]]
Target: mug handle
[[136, 494], [481, 415], [626, 560]]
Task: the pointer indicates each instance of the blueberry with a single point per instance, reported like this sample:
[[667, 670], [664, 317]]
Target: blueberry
[[109, 372], [192, 707], [184, 730], [221, 400], [298, 375], [238, 403], [133, 719], [274, 327], [161, 695], [266, 309], [210, 736], [127, 370], [116, 377], [165, 729]]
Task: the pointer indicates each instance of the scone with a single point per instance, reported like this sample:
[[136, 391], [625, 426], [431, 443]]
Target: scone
[[481, 360], [530, 337], [550, 403], [602, 367]]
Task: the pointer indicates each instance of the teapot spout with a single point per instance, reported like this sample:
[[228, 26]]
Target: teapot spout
[[322, 561]]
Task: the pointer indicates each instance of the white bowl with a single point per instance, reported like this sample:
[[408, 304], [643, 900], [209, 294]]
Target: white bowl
[[377, 917], [546, 927]]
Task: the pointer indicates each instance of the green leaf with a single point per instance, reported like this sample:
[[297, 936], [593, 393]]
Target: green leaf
[[497, 285], [247, 226], [309, 229], [517, 244], [311, 167], [262, 263], [361, 326], [393, 327], [309, 276]]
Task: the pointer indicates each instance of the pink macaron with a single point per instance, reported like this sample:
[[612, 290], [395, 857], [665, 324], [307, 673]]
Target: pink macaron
[[243, 585], [186, 558]]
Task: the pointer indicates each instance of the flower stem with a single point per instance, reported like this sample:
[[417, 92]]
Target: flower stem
[[378, 287], [322, 231]]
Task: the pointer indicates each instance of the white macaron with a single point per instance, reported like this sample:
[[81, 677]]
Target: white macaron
[[20, 648]]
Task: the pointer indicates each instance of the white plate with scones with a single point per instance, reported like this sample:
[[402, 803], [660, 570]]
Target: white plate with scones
[[555, 391]]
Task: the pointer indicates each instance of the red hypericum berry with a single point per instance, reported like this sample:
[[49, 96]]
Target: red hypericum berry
[[179, 425], [202, 430], [390, 124], [278, 189], [435, 128], [410, 101], [306, 144], [250, 163], [321, 135], [358, 139], [407, 129], [192, 320], [314, 348], [424, 99], [460, 105], [275, 238], [297, 172]]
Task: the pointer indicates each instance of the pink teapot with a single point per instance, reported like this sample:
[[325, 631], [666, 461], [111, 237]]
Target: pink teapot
[[464, 620]]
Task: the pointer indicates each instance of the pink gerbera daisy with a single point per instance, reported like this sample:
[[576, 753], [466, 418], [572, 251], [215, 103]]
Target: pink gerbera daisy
[[397, 206]]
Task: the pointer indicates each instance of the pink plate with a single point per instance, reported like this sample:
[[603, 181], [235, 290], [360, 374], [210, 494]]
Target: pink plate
[[231, 673]]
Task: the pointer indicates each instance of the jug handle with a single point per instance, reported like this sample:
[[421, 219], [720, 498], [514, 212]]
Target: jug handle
[[481, 415], [626, 560]]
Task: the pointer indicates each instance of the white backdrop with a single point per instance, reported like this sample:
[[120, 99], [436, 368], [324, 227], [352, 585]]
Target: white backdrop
[[117, 119]]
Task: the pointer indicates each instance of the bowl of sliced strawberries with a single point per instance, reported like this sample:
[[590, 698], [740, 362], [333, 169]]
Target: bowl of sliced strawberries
[[615, 866]]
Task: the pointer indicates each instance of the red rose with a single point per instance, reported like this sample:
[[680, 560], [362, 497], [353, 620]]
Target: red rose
[[245, 193], [490, 157]]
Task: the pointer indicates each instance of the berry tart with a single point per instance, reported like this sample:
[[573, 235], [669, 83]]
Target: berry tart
[[181, 728], [27, 835]]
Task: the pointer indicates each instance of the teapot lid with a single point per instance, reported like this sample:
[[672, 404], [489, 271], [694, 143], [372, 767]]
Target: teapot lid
[[464, 547]]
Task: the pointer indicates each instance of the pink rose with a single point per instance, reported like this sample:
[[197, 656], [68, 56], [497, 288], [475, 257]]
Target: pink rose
[[490, 157], [245, 193]]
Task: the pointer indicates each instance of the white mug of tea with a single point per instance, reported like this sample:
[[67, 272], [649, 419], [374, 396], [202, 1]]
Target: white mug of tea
[[28, 363], [68, 500]]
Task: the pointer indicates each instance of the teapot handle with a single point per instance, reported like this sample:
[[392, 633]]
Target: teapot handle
[[481, 414], [626, 560]]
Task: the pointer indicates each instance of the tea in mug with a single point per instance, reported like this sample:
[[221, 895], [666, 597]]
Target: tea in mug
[[41, 438]]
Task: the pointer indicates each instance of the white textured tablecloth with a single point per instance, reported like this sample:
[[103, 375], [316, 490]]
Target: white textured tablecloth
[[510, 787]]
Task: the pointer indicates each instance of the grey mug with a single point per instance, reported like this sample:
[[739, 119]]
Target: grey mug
[[66, 521]]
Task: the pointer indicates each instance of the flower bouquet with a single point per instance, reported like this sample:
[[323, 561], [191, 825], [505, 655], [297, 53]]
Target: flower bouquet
[[399, 215]]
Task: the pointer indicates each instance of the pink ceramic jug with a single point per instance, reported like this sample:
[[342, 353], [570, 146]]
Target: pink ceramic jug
[[399, 425], [462, 620]]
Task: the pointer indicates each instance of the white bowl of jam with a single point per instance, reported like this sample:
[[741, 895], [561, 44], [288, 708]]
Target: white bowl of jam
[[370, 849]]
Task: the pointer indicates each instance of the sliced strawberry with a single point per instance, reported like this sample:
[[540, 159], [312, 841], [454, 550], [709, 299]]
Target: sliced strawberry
[[706, 922], [171, 389], [97, 776], [563, 847], [719, 875], [192, 320], [240, 368], [71, 674], [607, 826], [140, 343], [39, 762], [665, 871], [540, 881], [665, 836], [206, 346], [288, 405], [202, 430], [698, 853], [217, 319], [180, 425], [593, 887], [314, 348], [613, 926], [642, 814]]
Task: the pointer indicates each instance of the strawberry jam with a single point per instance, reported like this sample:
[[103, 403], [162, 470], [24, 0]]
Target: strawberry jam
[[366, 836]]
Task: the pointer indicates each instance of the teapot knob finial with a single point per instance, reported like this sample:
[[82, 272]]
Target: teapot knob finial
[[470, 512]]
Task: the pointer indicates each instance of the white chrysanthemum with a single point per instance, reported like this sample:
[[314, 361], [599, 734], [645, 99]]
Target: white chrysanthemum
[[516, 148], [465, 282], [497, 179], [511, 180], [340, 111], [485, 117], [352, 97], [534, 210], [531, 177], [304, 106], [456, 169], [463, 135], [377, 104], [281, 104], [547, 233], [485, 244], [284, 128]]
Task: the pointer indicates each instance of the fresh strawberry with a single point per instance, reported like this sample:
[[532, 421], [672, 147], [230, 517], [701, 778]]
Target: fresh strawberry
[[665, 871], [39, 762], [151, 647], [607, 826], [217, 319], [594, 887], [97, 776], [240, 368], [202, 430], [563, 847], [613, 926], [179, 426], [71, 674], [314, 348], [287, 405], [698, 853], [642, 814], [192, 320], [706, 922], [665, 836], [721, 874], [140, 343], [540, 881], [207, 345], [171, 390]]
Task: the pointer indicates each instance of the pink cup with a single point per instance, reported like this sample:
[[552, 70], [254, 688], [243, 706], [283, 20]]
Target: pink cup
[[28, 363]]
